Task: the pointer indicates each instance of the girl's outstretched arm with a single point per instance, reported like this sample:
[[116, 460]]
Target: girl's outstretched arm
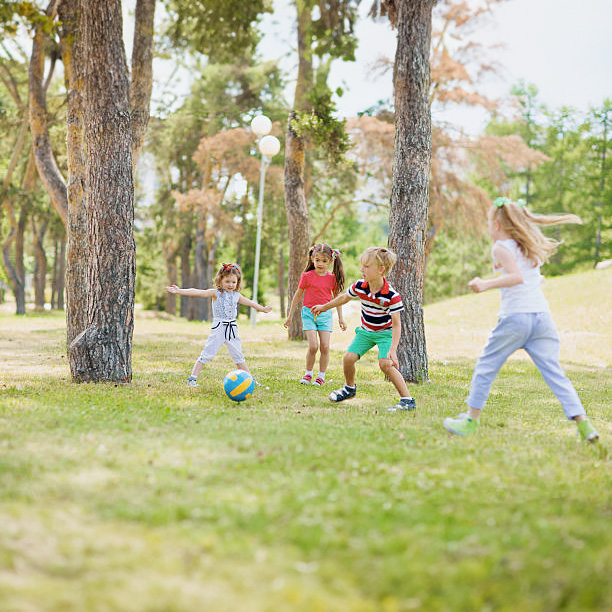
[[192, 292], [251, 304], [343, 298], [297, 296], [503, 258]]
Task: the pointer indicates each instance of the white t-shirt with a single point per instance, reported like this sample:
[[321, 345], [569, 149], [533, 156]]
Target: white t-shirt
[[528, 296]]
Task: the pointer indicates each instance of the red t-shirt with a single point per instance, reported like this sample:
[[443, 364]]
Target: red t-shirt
[[317, 289]]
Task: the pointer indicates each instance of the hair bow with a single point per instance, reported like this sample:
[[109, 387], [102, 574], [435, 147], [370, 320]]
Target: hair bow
[[230, 266], [335, 253], [499, 202]]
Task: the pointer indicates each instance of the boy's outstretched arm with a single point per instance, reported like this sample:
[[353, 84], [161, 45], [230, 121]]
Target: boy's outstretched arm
[[192, 292], [343, 298]]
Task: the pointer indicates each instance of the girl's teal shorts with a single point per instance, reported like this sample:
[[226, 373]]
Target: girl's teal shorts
[[323, 322]]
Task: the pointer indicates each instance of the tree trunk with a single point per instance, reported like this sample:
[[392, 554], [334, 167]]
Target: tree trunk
[[281, 282], [185, 276], [103, 351], [76, 226], [54, 274], [172, 274], [16, 271], [59, 271], [47, 168], [142, 74], [297, 217], [40, 263], [295, 163], [61, 275], [411, 169], [199, 305]]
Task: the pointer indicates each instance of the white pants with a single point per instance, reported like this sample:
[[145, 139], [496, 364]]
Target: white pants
[[222, 332]]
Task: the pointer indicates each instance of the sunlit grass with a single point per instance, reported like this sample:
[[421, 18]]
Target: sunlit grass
[[157, 497]]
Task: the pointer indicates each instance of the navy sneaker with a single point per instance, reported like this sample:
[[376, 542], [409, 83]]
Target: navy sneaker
[[403, 404], [343, 394]]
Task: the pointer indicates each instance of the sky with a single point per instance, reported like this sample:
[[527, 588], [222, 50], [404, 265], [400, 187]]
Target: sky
[[561, 46]]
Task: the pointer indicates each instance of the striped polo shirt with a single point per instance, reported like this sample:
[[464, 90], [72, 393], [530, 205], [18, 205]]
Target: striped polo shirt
[[376, 309]]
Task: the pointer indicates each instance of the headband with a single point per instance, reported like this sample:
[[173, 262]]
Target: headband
[[499, 202], [230, 266]]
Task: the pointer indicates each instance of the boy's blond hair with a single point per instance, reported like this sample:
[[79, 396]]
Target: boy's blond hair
[[384, 257]]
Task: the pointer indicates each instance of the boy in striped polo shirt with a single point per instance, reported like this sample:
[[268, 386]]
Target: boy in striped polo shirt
[[381, 325]]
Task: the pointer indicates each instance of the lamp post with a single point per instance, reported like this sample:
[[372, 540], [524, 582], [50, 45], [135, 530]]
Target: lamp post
[[268, 146]]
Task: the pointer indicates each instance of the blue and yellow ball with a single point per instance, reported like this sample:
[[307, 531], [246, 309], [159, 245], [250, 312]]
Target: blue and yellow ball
[[238, 385]]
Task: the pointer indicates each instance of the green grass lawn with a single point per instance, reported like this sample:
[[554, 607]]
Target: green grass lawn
[[154, 497]]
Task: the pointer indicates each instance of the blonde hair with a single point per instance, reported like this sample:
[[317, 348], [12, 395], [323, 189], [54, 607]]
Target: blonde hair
[[384, 257], [516, 220], [227, 269]]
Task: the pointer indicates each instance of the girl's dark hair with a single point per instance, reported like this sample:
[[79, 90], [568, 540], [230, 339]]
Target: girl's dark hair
[[333, 255], [225, 270]]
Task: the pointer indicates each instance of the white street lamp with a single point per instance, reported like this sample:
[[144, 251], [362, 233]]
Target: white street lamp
[[269, 146]]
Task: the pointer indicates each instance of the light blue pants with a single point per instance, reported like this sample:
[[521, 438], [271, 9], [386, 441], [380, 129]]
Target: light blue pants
[[536, 333]]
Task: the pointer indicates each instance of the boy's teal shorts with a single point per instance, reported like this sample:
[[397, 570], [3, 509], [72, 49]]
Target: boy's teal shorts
[[364, 340], [323, 322]]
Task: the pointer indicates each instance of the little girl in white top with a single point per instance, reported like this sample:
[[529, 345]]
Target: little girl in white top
[[524, 318], [225, 310]]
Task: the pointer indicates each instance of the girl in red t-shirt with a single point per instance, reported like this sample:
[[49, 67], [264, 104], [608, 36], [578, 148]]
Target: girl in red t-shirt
[[318, 286]]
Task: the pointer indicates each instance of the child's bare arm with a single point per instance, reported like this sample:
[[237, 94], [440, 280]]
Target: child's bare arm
[[192, 292], [513, 275], [341, 318], [396, 334], [251, 304], [297, 296], [343, 298]]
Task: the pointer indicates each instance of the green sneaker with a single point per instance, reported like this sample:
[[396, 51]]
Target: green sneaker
[[462, 425], [587, 432]]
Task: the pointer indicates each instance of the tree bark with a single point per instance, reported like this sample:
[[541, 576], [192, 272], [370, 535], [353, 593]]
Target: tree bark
[[76, 226], [297, 217], [172, 274], [61, 275], [40, 262], [185, 276], [103, 351], [281, 282], [59, 271], [142, 74], [45, 161], [295, 163], [411, 170]]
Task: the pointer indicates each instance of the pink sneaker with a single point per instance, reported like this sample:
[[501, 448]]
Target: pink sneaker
[[306, 379], [319, 382]]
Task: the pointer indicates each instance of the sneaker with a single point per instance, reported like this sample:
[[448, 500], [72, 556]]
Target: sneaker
[[343, 394], [462, 425], [306, 379], [319, 382], [403, 404], [192, 381], [587, 432]]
